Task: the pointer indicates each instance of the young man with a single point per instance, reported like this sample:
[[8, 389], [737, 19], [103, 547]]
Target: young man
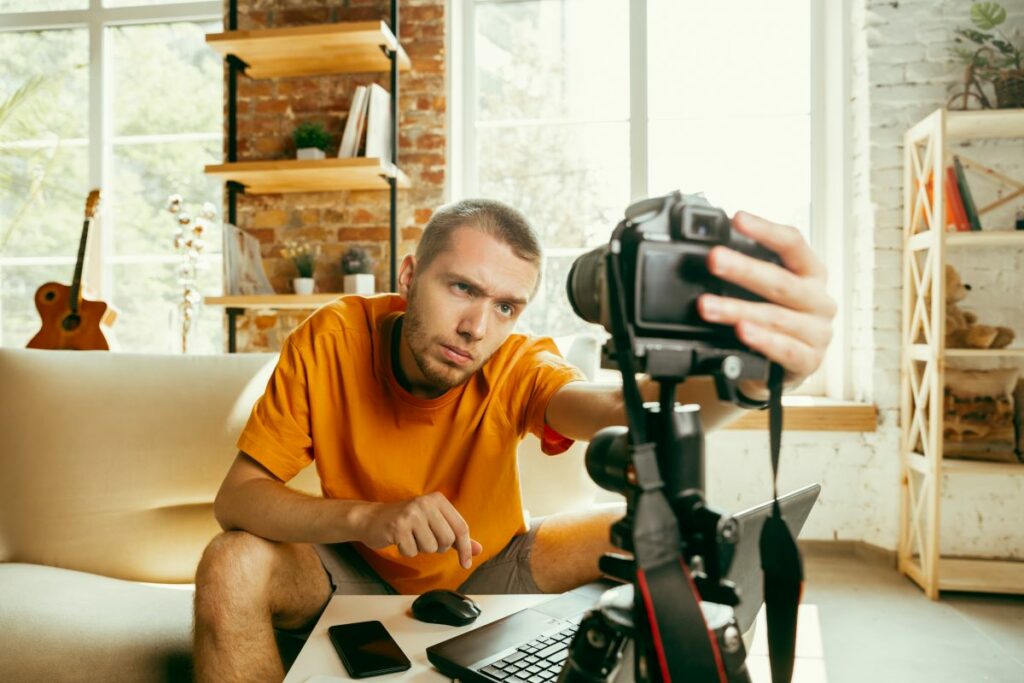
[[412, 406]]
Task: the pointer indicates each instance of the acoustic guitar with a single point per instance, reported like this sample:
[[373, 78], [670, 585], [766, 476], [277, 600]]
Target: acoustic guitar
[[69, 320]]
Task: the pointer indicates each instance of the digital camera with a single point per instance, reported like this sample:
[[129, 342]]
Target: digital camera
[[661, 250]]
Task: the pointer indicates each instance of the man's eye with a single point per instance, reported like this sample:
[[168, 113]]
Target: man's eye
[[506, 309], [462, 287]]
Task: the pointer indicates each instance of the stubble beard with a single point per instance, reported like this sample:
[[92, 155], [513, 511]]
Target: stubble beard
[[439, 374]]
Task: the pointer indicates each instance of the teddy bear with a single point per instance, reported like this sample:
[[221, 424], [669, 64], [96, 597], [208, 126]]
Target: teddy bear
[[962, 330]]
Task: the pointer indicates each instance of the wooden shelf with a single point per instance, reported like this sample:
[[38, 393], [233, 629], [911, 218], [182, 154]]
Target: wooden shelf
[[986, 238], [985, 353], [923, 352], [321, 175], [273, 301], [980, 125], [919, 463], [351, 47], [809, 414], [985, 576]]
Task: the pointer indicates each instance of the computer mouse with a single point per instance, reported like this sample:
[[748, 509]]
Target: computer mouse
[[445, 607]]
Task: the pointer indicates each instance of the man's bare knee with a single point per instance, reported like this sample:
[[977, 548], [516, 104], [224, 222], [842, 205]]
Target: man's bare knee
[[232, 575]]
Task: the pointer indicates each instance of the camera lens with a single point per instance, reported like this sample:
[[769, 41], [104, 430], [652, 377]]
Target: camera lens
[[585, 284]]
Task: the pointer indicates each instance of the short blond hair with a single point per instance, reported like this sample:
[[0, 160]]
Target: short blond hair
[[487, 215]]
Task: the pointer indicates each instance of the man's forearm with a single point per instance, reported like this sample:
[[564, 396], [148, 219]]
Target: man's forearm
[[269, 509]]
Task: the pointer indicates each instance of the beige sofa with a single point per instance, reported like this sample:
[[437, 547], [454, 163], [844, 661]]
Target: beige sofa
[[109, 464]]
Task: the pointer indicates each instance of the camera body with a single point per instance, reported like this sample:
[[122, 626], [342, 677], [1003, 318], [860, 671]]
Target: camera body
[[661, 249]]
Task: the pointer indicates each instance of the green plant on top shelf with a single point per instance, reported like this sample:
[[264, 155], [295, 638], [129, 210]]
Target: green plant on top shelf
[[990, 57], [311, 134]]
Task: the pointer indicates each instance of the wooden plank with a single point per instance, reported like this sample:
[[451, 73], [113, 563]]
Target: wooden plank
[[320, 175], [815, 415], [1003, 469], [272, 301], [978, 125], [986, 238], [351, 47], [1008, 352], [982, 576]]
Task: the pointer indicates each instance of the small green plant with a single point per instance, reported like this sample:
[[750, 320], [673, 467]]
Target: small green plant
[[311, 134], [990, 57], [303, 255], [356, 260]]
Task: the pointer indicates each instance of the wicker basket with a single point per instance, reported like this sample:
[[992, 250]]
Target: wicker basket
[[1010, 89]]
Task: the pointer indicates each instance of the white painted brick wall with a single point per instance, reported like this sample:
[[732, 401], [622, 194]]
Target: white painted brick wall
[[901, 71]]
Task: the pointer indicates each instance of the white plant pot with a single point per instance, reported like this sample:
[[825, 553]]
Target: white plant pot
[[310, 153], [303, 285], [360, 283]]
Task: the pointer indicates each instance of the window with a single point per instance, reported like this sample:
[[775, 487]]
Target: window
[[124, 96], [573, 108]]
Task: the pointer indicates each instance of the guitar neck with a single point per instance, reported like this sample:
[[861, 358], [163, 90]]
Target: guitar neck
[[76, 283]]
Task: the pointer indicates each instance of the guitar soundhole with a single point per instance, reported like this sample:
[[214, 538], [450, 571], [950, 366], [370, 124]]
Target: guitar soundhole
[[71, 323], [50, 296]]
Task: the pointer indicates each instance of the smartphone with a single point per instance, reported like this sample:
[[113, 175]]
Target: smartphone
[[367, 649]]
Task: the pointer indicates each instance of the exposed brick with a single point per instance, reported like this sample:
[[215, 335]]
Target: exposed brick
[[423, 215], [271, 218], [363, 234]]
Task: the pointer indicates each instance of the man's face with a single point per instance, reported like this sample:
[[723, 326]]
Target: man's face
[[463, 306]]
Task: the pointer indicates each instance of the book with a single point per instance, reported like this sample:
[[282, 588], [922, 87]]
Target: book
[[351, 137], [955, 202], [243, 264], [378, 124], [965, 195]]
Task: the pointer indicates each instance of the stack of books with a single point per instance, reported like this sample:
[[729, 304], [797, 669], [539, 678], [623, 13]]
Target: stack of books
[[368, 128], [961, 211]]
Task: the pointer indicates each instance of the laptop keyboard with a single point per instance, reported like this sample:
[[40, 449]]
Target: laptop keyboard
[[538, 661]]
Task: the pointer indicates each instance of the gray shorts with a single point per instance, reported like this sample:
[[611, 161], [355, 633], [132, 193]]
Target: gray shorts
[[506, 572]]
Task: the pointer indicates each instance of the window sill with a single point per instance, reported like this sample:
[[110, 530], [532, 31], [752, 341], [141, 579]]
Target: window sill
[[814, 414]]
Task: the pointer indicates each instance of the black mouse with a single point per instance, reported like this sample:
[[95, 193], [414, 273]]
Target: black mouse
[[445, 607]]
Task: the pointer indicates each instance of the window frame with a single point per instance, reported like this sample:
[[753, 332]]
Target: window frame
[[98, 271], [830, 140]]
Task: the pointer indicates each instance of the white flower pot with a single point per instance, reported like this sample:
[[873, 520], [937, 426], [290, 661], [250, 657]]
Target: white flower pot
[[360, 283], [303, 285], [309, 153]]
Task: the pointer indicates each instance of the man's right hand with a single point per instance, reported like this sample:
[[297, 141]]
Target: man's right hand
[[425, 524]]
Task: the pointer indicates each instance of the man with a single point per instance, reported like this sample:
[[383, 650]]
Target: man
[[411, 407]]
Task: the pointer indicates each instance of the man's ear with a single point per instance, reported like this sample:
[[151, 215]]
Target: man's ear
[[405, 275]]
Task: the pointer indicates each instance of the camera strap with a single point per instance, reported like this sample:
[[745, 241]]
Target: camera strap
[[780, 557]]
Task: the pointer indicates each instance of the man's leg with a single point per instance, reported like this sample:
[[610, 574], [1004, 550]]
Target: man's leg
[[245, 587], [568, 546]]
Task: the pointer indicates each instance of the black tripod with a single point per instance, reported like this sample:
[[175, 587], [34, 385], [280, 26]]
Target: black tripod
[[674, 617]]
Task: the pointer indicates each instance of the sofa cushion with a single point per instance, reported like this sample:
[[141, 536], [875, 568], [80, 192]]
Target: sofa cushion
[[62, 625], [109, 462]]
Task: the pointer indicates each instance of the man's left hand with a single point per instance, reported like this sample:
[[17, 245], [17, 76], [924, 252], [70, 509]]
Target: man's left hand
[[793, 326]]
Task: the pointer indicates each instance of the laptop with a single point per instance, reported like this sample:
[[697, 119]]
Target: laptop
[[531, 646]]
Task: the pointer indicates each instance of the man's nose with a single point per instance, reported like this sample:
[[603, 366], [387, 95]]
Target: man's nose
[[474, 321]]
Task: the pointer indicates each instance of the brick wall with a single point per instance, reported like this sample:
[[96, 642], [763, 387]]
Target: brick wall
[[901, 71], [270, 109]]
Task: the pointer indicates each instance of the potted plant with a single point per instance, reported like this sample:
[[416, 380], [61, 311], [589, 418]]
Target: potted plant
[[990, 57], [311, 140], [303, 255], [357, 264]]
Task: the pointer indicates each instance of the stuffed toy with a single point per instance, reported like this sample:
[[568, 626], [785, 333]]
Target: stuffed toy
[[962, 328]]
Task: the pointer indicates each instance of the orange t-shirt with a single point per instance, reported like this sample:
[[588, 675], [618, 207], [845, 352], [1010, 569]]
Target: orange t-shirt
[[334, 400]]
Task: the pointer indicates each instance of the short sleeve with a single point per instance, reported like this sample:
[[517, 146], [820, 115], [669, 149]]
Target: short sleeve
[[538, 374], [277, 434]]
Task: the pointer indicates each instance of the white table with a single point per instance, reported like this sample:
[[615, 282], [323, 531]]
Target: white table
[[319, 663]]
